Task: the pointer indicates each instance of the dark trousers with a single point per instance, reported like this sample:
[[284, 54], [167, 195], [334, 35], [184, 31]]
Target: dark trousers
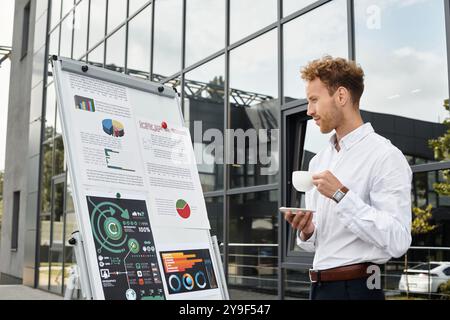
[[345, 290]]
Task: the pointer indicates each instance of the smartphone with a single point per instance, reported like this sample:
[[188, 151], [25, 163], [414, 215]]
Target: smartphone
[[295, 210]]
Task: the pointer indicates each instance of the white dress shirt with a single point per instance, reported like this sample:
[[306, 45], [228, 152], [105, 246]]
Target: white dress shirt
[[372, 223]]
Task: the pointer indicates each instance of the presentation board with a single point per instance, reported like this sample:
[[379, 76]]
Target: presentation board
[[136, 189]]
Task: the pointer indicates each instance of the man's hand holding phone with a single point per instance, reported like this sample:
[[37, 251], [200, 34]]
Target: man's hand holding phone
[[301, 220]]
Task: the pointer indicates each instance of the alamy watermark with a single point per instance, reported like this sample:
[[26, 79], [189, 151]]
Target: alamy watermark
[[374, 280], [236, 147]]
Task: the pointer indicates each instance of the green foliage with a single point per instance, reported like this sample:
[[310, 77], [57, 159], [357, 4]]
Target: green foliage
[[441, 145], [421, 222], [444, 290], [441, 148]]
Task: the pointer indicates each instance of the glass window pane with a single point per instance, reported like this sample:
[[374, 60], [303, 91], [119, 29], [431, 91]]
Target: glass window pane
[[67, 5], [80, 29], [117, 13], [58, 216], [136, 5], [214, 206], [253, 247], [47, 173], [204, 113], [66, 37], [54, 43], [44, 246], [115, 51], [69, 253], [406, 93], [139, 36], [50, 112], [254, 111], [298, 284], [167, 46], [97, 56], [56, 244], [60, 161], [205, 29], [56, 271], [291, 6], [56, 13], [431, 214], [249, 16], [69, 197], [97, 22], [311, 36]]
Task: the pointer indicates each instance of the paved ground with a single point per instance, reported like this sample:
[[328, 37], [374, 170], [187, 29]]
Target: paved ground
[[18, 292], [249, 295], [25, 293]]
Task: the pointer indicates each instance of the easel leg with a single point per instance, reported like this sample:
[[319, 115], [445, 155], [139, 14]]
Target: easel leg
[[223, 280], [79, 275]]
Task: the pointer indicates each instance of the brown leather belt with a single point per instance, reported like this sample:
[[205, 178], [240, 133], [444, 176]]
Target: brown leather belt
[[352, 272]]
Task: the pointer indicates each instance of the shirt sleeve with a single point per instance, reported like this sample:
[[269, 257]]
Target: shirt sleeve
[[386, 222], [310, 244]]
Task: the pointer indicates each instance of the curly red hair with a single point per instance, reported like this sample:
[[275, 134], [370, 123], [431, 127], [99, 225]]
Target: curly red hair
[[335, 73]]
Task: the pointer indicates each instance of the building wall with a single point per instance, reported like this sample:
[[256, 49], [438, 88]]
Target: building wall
[[22, 146], [16, 146]]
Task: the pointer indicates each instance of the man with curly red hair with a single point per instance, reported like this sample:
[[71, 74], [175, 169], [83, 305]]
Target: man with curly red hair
[[362, 194]]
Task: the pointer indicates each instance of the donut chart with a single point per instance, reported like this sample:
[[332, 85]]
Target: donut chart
[[174, 283], [200, 280], [188, 281]]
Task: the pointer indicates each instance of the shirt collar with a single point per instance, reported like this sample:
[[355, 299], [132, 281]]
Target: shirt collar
[[353, 137]]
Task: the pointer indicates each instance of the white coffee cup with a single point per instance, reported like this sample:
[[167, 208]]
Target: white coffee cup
[[302, 181]]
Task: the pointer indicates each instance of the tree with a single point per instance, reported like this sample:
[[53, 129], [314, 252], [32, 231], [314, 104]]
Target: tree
[[421, 223]]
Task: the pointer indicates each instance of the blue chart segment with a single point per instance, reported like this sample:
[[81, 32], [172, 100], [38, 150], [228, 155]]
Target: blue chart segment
[[85, 104], [126, 253], [188, 271], [113, 128]]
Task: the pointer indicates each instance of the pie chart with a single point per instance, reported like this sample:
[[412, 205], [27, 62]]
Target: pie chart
[[183, 209], [113, 128]]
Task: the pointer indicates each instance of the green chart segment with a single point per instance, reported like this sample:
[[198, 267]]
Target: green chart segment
[[125, 249], [183, 209]]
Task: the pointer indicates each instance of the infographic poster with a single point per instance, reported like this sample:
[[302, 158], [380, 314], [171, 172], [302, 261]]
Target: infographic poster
[[188, 271], [126, 252]]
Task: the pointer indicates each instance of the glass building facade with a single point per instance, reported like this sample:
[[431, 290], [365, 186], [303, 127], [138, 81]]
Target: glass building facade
[[236, 65]]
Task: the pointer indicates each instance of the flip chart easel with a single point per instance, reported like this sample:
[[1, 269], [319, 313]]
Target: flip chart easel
[[143, 227]]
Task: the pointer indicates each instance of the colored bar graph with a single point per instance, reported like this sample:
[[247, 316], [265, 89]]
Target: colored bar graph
[[85, 104], [179, 262]]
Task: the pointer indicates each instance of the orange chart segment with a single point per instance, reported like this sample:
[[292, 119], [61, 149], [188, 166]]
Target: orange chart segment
[[179, 262]]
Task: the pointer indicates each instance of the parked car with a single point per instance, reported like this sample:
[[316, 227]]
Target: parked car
[[425, 278]]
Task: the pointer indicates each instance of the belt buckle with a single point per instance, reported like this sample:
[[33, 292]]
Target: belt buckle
[[310, 278]]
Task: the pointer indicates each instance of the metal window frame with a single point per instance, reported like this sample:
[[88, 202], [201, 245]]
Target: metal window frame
[[226, 192]]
